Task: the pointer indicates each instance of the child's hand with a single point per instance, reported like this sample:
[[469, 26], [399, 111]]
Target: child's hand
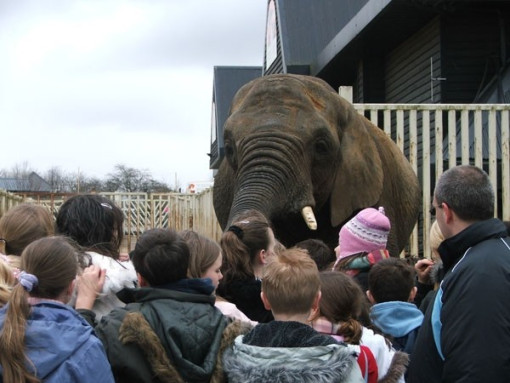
[[423, 267], [89, 285]]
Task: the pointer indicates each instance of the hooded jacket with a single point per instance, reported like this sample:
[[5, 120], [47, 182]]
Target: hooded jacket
[[400, 320], [62, 346], [289, 352], [164, 335], [475, 313]]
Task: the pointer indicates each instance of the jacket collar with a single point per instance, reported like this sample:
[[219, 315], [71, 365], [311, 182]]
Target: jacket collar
[[144, 294], [452, 249]]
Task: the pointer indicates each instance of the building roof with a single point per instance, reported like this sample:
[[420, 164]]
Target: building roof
[[227, 81], [33, 183]]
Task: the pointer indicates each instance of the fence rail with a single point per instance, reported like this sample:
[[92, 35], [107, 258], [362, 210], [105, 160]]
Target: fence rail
[[433, 137], [436, 137]]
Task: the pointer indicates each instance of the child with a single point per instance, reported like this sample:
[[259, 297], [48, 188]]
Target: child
[[340, 307], [20, 226], [169, 330], [362, 243], [43, 339], [429, 272], [319, 251], [390, 290], [246, 245], [95, 223], [205, 262], [288, 349]]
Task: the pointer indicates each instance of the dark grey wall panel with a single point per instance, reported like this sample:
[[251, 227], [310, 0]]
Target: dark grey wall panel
[[408, 67]]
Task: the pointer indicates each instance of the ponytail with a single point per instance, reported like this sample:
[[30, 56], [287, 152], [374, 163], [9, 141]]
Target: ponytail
[[351, 330], [12, 339]]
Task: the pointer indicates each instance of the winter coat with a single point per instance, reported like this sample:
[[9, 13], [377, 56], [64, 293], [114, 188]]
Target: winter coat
[[245, 294], [289, 352], [165, 335], [400, 320], [391, 365], [62, 346], [475, 313]]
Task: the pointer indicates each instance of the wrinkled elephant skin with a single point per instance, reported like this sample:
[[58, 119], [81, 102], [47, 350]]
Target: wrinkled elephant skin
[[292, 142]]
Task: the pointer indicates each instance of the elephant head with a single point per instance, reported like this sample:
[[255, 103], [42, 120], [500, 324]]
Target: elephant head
[[301, 155]]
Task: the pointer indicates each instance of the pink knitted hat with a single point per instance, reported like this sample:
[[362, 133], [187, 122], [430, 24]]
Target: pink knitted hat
[[366, 232]]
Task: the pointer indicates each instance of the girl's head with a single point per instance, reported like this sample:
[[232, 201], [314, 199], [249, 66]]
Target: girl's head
[[94, 222], [342, 302], [22, 225], [205, 257], [246, 245], [49, 268], [366, 232], [436, 238]]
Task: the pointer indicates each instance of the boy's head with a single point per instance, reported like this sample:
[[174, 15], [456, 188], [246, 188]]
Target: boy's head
[[290, 283], [391, 279], [160, 257], [318, 251]]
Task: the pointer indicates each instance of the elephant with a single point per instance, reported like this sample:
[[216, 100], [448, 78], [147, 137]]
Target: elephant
[[301, 155]]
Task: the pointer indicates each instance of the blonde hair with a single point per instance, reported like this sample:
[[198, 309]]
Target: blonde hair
[[435, 238], [6, 282], [291, 282], [22, 225]]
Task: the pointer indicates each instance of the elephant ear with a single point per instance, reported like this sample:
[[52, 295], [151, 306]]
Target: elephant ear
[[223, 193], [360, 174]]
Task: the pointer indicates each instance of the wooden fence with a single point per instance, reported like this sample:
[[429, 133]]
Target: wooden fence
[[8, 200], [437, 137], [433, 137]]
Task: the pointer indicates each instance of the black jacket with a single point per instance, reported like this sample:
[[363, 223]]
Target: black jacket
[[475, 316], [175, 332], [245, 294]]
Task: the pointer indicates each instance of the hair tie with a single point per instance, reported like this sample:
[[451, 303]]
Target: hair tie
[[237, 231], [28, 281]]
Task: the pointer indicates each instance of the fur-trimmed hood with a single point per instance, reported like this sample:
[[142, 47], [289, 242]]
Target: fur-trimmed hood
[[331, 363]]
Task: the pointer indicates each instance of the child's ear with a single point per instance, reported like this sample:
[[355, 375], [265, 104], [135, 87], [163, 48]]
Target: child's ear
[[263, 257], [141, 281], [413, 294], [314, 310], [370, 297], [266, 303]]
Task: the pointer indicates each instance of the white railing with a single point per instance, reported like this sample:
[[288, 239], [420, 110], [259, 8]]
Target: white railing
[[435, 137]]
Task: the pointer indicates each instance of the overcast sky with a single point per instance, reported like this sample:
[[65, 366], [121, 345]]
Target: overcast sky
[[87, 84]]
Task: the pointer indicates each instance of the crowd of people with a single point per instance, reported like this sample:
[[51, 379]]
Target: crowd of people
[[182, 308]]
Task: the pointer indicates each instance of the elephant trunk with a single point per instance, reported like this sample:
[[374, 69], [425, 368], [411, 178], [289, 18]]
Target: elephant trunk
[[271, 178]]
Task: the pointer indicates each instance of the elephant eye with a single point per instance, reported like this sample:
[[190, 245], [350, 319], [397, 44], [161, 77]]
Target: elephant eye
[[230, 154], [229, 151], [321, 147]]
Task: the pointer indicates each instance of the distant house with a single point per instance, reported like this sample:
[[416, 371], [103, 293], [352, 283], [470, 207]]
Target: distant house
[[32, 184]]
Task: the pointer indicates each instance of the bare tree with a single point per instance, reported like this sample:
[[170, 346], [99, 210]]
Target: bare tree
[[126, 179]]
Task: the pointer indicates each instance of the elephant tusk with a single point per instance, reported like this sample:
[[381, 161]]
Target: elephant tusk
[[309, 217]]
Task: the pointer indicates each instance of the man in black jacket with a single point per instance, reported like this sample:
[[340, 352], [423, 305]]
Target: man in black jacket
[[465, 336]]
